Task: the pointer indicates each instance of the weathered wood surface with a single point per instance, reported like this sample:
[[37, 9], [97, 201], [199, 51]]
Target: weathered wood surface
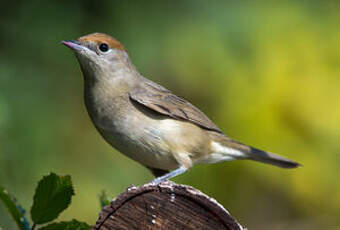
[[165, 206]]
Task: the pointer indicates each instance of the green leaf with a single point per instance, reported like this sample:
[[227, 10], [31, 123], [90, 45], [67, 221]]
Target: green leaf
[[12, 208], [67, 225], [51, 197], [104, 199]]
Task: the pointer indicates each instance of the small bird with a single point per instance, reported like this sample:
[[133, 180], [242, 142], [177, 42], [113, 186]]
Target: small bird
[[147, 122]]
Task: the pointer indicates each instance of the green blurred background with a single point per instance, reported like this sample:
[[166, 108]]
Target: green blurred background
[[267, 73]]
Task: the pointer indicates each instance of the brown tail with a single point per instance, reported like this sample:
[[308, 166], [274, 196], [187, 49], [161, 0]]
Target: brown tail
[[259, 155], [271, 158]]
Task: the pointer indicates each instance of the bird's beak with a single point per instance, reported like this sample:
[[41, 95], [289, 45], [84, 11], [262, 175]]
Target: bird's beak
[[73, 44]]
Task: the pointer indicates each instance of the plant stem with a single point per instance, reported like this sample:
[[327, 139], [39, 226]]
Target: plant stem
[[33, 226]]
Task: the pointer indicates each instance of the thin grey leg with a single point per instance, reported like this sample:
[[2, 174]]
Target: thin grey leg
[[169, 175]]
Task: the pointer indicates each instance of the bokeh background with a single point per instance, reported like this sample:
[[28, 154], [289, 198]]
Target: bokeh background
[[267, 73]]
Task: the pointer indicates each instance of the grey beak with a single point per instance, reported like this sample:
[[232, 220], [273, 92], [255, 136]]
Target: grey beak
[[73, 44]]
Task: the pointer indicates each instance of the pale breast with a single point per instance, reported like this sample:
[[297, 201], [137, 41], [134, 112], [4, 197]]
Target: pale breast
[[131, 132], [143, 135]]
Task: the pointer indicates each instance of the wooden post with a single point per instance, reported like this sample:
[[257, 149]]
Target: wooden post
[[165, 206]]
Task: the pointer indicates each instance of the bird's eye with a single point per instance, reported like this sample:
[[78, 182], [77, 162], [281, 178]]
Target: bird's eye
[[104, 47]]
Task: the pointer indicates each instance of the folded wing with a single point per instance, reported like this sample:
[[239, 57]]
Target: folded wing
[[161, 100]]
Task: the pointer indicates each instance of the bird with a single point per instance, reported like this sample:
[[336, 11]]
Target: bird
[[147, 122]]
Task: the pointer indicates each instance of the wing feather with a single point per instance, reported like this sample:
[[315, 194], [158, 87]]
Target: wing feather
[[161, 100]]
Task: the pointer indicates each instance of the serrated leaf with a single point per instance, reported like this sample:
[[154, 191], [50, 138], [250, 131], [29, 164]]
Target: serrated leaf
[[52, 195], [12, 208], [67, 225]]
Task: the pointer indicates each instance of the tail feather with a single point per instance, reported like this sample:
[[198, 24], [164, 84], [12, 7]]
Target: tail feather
[[271, 158], [255, 154]]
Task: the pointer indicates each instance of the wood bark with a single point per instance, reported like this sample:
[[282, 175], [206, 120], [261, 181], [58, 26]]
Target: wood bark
[[165, 206]]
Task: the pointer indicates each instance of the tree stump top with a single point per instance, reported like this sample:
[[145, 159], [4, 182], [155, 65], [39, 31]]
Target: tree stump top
[[165, 206]]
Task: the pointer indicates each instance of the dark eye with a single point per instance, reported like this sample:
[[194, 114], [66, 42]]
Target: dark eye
[[104, 47]]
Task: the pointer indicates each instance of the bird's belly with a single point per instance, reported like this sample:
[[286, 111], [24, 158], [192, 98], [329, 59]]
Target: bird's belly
[[149, 138], [139, 138]]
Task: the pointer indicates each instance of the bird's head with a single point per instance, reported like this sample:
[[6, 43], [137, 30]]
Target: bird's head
[[99, 53]]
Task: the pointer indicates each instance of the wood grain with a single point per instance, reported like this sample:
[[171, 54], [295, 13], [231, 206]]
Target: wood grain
[[165, 206]]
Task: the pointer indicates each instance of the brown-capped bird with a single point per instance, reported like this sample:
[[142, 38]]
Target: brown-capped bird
[[147, 122]]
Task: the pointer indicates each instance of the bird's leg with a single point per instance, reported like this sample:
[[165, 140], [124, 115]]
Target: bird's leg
[[169, 175]]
